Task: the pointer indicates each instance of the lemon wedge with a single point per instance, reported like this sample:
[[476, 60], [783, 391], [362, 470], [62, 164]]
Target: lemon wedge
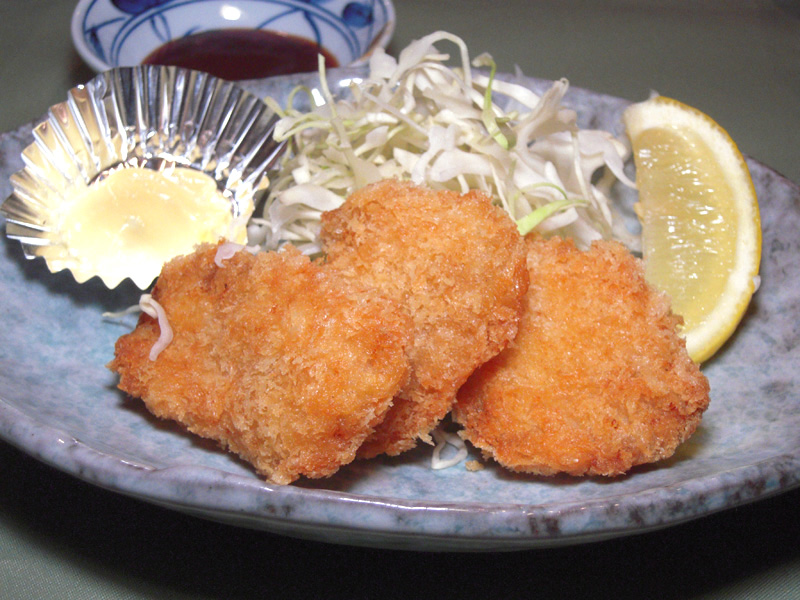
[[701, 230]]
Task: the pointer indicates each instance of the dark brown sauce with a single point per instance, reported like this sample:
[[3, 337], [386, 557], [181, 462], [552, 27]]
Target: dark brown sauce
[[237, 54]]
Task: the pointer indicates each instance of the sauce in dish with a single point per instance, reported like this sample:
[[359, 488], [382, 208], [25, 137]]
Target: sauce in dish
[[236, 54], [135, 219]]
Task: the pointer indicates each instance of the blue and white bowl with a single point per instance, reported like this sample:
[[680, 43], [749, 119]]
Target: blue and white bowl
[[113, 33]]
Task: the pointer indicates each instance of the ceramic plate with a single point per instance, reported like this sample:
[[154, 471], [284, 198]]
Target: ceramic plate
[[59, 403]]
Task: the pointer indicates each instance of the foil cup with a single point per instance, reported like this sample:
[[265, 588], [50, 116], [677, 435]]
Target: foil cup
[[146, 117]]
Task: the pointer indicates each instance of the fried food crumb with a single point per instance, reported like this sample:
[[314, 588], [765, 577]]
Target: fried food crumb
[[285, 363], [597, 380], [457, 263], [474, 466]]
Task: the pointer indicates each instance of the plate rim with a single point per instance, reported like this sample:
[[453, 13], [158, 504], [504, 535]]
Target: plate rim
[[61, 450], [107, 471]]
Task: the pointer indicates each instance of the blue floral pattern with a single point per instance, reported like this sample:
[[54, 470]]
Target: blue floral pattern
[[358, 14], [114, 29], [135, 7]]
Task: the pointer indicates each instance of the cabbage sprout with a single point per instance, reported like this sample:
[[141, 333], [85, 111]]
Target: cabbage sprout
[[416, 118]]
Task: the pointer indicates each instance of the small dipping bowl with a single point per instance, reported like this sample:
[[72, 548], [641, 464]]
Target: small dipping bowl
[[231, 39], [149, 118]]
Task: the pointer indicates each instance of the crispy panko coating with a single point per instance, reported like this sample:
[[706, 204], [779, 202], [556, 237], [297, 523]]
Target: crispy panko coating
[[457, 263], [596, 381], [287, 364]]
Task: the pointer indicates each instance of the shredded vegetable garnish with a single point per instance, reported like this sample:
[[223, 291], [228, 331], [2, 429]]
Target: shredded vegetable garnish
[[444, 439], [417, 118], [155, 310], [226, 250], [122, 313]]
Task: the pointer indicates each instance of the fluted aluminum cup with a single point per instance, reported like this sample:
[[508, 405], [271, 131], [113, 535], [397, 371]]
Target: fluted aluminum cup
[[141, 116]]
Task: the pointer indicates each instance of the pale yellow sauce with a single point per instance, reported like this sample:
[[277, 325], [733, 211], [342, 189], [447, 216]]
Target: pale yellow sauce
[[136, 219]]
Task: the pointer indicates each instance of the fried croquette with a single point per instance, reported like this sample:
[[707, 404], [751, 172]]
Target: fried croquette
[[287, 364], [597, 380], [457, 263]]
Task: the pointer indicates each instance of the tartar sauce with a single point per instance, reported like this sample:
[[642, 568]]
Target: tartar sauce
[[136, 219]]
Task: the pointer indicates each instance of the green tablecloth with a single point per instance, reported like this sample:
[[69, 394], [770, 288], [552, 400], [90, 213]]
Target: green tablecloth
[[738, 61]]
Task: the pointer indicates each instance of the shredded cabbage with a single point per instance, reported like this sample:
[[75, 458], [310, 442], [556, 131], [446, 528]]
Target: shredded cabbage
[[444, 439], [226, 250], [416, 118], [152, 308]]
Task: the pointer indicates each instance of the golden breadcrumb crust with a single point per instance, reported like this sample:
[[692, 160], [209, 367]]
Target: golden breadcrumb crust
[[457, 263], [596, 381], [287, 364]]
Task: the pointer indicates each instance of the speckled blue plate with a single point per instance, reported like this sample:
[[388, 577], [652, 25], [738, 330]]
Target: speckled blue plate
[[59, 404]]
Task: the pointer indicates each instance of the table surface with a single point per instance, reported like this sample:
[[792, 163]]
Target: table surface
[[738, 61]]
